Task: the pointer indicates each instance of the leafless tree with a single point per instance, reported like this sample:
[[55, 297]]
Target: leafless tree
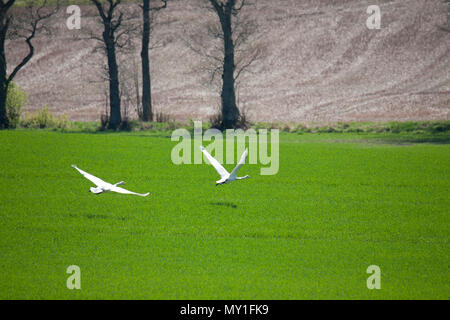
[[129, 86], [136, 89], [117, 33], [23, 23], [230, 52], [148, 11]]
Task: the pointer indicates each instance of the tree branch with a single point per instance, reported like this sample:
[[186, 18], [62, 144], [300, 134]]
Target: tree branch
[[37, 17], [163, 6], [5, 6], [100, 9]]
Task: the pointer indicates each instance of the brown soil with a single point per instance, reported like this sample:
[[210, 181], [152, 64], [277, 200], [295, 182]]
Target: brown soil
[[321, 63]]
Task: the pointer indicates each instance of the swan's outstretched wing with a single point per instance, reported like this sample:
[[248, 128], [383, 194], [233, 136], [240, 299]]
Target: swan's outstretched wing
[[221, 170], [97, 181], [124, 191], [240, 164]]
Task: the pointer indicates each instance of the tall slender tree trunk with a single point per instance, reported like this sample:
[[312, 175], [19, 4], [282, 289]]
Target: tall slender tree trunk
[[3, 74], [136, 88], [230, 112], [113, 71], [147, 112], [4, 123]]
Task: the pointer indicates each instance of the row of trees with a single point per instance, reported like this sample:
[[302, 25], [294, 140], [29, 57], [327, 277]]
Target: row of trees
[[232, 32], [114, 30]]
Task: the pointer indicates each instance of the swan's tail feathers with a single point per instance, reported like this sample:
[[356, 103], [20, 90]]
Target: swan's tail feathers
[[96, 190]]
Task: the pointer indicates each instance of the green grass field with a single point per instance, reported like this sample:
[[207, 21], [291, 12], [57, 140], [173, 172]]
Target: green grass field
[[340, 203]]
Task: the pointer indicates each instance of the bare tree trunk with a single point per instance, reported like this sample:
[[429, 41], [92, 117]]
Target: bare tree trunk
[[110, 27], [4, 79], [233, 57], [230, 112], [114, 91], [147, 108], [147, 112], [3, 76], [4, 122], [136, 88]]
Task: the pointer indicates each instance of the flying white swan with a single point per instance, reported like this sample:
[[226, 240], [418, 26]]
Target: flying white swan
[[103, 186], [224, 175]]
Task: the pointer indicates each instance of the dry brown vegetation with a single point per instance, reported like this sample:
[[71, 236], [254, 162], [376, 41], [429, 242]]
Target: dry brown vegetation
[[321, 64]]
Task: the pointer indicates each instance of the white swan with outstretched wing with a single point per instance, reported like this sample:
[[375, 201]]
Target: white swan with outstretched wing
[[225, 176], [102, 186]]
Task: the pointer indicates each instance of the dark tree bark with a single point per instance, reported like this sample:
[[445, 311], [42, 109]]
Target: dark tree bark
[[4, 23], [230, 112], [147, 112], [234, 49], [32, 23], [110, 25]]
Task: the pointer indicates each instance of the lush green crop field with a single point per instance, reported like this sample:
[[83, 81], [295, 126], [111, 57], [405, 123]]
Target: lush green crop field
[[337, 205]]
